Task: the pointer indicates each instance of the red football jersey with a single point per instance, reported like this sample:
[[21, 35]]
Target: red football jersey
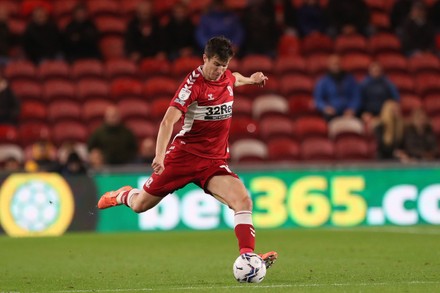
[[207, 111]]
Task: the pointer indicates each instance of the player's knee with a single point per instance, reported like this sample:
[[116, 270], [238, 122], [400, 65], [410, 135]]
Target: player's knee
[[138, 208], [242, 204]]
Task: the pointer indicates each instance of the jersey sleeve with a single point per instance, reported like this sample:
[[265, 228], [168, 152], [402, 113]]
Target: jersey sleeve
[[231, 76], [187, 92]]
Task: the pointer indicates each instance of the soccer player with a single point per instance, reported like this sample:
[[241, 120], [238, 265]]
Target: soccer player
[[199, 151]]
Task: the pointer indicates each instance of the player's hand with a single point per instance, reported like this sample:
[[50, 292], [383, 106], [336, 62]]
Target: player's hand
[[259, 78], [158, 165]]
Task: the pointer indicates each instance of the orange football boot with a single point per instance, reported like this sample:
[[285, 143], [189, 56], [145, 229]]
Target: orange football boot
[[269, 258], [109, 198]]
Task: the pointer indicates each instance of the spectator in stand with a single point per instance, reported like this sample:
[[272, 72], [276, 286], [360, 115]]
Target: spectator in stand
[[73, 166], [9, 104], [399, 12], [96, 160], [311, 18], [417, 34], [43, 154], [116, 142], [348, 16], [12, 164], [390, 133], [6, 38], [337, 93], [42, 39], [81, 36], [261, 35], [179, 33], [434, 15], [147, 151], [142, 38], [376, 88], [219, 21], [419, 140]]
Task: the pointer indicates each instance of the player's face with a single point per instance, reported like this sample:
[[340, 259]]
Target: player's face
[[213, 68]]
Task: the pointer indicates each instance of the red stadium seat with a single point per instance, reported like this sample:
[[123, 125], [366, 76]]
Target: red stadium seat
[[158, 108], [352, 148], [87, 68], [65, 131], [409, 102], [134, 108], [163, 7], [8, 134], [95, 109], [54, 69], [276, 126], [23, 70], [93, 88], [253, 63], [110, 25], [289, 45], [159, 86], [317, 64], [236, 5], [290, 64], [243, 127], [350, 44], [428, 83], [128, 7], [64, 8], [431, 104], [393, 63], [357, 64], [185, 65], [296, 84], [64, 110], [403, 82], [31, 132], [112, 47], [310, 126], [340, 126], [142, 127], [435, 123], [283, 149], [120, 68], [248, 150], [121, 87], [11, 8], [424, 63], [384, 43], [380, 22], [103, 8], [269, 104], [302, 105], [317, 43], [153, 66], [317, 149], [242, 106], [33, 111], [196, 7], [27, 90], [56, 89]]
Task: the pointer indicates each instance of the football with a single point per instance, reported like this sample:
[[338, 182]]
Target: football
[[249, 268]]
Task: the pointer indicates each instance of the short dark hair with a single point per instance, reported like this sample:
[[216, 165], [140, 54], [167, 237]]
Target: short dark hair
[[219, 46]]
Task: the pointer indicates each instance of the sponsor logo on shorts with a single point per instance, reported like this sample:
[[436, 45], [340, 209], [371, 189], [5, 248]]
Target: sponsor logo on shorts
[[148, 182]]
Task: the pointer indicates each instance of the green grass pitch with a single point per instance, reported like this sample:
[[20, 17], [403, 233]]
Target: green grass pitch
[[379, 259]]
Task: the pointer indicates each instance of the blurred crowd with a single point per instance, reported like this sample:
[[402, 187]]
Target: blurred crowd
[[255, 28]]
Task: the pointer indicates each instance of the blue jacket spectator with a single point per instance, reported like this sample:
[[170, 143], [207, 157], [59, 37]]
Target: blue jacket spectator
[[337, 93], [311, 18], [376, 88], [218, 21]]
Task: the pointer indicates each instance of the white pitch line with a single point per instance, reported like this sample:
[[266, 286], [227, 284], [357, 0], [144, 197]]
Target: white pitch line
[[253, 287]]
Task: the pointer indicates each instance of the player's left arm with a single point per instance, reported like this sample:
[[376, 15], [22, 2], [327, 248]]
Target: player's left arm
[[257, 78]]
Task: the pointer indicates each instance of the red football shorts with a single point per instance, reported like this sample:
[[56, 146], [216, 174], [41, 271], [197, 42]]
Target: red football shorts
[[182, 168]]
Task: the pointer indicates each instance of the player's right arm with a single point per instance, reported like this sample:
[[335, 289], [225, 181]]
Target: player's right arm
[[163, 137]]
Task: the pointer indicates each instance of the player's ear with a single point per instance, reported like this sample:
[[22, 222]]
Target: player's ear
[[205, 58]]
